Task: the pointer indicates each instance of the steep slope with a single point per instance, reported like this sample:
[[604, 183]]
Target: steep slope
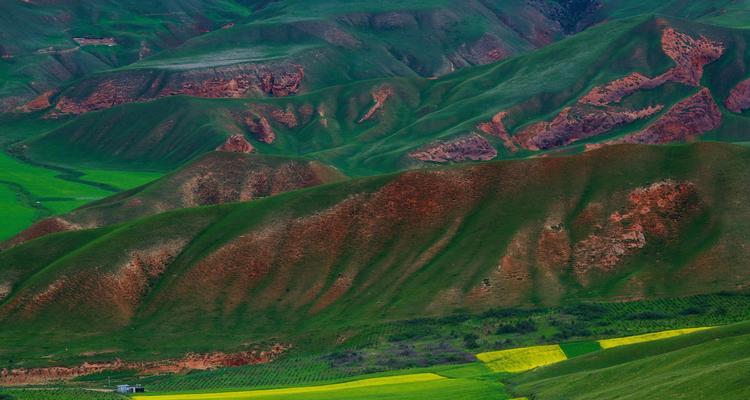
[[216, 178], [623, 222], [291, 46], [44, 44], [645, 80], [702, 365]]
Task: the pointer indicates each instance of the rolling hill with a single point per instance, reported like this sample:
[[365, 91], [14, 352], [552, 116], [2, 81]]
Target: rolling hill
[[216, 178], [641, 80], [621, 223], [697, 366]]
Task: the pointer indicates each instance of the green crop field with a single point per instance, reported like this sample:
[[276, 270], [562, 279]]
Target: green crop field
[[470, 381]]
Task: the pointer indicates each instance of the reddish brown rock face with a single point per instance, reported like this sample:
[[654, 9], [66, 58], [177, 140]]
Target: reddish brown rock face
[[282, 85], [191, 361], [576, 123], [42, 228], [144, 87], [616, 90], [739, 98], [496, 127], [261, 128], [236, 144], [286, 117], [655, 212], [39, 103], [379, 96], [472, 147], [688, 119], [690, 55]]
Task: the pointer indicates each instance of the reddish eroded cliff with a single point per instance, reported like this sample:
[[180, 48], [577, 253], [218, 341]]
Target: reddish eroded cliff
[[130, 87], [655, 212], [260, 128], [40, 102], [686, 120], [236, 144], [284, 84], [615, 91], [691, 56], [496, 127], [379, 96], [470, 147], [739, 98], [191, 361], [41, 228], [285, 117], [576, 123]]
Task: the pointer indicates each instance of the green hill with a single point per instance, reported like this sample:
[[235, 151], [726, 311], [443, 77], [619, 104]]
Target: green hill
[[624, 222], [535, 103], [216, 178]]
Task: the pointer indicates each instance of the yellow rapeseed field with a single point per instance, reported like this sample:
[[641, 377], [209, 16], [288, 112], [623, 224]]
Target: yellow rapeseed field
[[252, 394], [523, 359], [609, 343]]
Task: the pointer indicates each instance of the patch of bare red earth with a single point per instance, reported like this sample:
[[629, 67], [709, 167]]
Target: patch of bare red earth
[[40, 102], [471, 147], [685, 121], [689, 54], [576, 123], [296, 257], [260, 128], [42, 228], [379, 98], [739, 98], [117, 91], [655, 212], [594, 114], [191, 361], [496, 127], [236, 144]]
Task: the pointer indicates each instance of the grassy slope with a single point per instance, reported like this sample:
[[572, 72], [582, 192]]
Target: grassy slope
[[211, 179], [415, 260], [39, 38], [31, 192], [533, 87], [710, 364], [470, 381]]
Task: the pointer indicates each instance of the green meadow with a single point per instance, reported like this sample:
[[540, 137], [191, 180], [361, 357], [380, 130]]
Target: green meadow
[[29, 192]]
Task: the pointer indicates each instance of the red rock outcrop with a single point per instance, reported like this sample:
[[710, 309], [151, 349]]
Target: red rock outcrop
[[653, 212], [690, 55], [191, 361], [286, 84], [615, 91], [379, 96], [260, 128], [41, 228], [576, 123], [471, 147], [134, 87], [38, 103], [236, 144], [688, 119], [107, 41], [739, 98], [496, 127], [286, 117]]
